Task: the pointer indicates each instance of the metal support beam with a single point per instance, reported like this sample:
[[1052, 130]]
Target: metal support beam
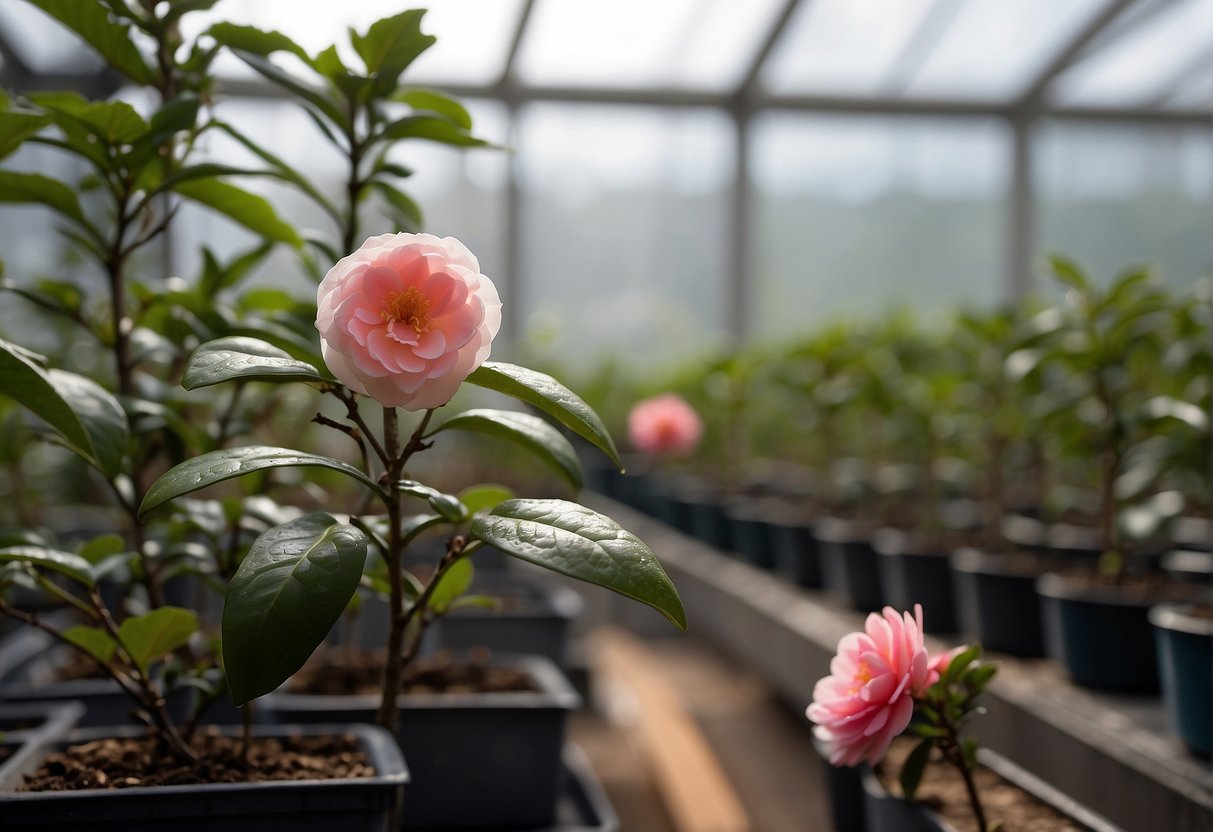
[[933, 26], [749, 83], [739, 276], [1021, 242], [510, 285], [524, 18], [1035, 93]]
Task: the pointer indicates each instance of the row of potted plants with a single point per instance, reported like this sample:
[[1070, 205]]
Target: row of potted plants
[[204, 614], [1038, 478]]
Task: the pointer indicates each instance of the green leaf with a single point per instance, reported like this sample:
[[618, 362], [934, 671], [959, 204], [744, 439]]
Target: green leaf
[[112, 122], [155, 634], [31, 386], [576, 541], [92, 640], [408, 211], [532, 432], [290, 589], [550, 396], [33, 187], [43, 557], [307, 92], [18, 125], [913, 767], [253, 212], [102, 546], [960, 663], [228, 463], [250, 359], [111, 40], [481, 498], [101, 414], [390, 45], [436, 102], [447, 505], [432, 128], [981, 676], [1068, 273], [452, 584], [256, 41]]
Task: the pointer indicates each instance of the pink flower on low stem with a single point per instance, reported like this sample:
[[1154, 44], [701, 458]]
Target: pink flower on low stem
[[664, 424], [406, 318], [868, 698], [940, 661]]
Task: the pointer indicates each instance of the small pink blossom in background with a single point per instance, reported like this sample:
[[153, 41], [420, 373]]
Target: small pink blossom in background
[[664, 424], [406, 318], [868, 698]]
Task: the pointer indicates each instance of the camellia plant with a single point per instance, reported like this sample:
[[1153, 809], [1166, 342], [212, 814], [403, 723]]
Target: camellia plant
[[883, 683], [664, 425], [404, 321]]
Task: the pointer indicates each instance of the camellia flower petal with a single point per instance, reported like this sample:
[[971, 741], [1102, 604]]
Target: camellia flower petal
[[664, 424], [868, 698], [406, 318]]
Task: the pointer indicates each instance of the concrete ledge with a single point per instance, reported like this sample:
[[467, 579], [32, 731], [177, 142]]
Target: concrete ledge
[[1112, 753]]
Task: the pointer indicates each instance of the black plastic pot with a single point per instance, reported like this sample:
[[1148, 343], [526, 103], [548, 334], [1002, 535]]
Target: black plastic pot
[[997, 602], [910, 575], [533, 619], [363, 804], [475, 759], [1102, 636], [1185, 659], [884, 812], [30, 722], [845, 789], [707, 521], [849, 563], [1189, 565], [794, 548], [750, 532], [582, 805]]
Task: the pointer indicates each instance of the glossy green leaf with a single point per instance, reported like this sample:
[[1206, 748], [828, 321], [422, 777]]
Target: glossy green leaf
[[960, 663], [249, 359], [1068, 272], [256, 41], [112, 40], [290, 589], [111, 122], [228, 463], [436, 102], [310, 94], [18, 125], [43, 557], [480, 498], [406, 209], [531, 432], [390, 45], [576, 541], [101, 414], [432, 128], [454, 581], [33, 187], [153, 635], [549, 395], [447, 505], [92, 640], [253, 212], [913, 768], [102, 546]]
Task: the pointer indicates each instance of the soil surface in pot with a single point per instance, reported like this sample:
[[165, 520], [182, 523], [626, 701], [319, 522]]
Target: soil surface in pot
[[136, 761], [1148, 587], [342, 672], [943, 790]]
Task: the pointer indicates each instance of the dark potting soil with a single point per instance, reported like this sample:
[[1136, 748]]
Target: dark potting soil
[[943, 790], [341, 672], [136, 761], [1154, 587]]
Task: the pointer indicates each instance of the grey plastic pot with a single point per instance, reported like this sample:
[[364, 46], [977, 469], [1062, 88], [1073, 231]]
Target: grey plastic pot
[[884, 812], [1185, 660], [360, 804], [533, 619], [582, 805], [502, 748]]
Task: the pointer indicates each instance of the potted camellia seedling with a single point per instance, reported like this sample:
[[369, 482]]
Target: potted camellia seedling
[[1107, 362], [883, 684], [404, 321]]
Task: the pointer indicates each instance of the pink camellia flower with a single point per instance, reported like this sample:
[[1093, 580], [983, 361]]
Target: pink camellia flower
[[406, 318], [868, 698], [940, 661], [664, 424]]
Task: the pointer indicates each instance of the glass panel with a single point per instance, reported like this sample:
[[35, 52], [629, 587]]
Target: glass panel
[[1115, 197], [993, 49], [473, 35], [625, 229], [1196, 94], [460, 191], [43, 44], [686, 43], [842, 46], [1148, 63], [857, 214]]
